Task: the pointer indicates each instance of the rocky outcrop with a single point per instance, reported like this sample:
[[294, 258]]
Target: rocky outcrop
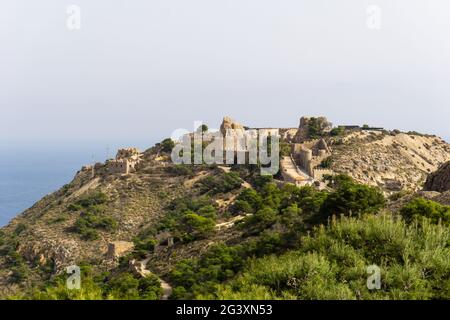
[[229, 123], [308, 125], [138, 268], [439, 180], [60, 253]]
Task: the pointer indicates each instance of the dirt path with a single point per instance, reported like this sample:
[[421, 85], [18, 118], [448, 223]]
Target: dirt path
[[230, 223], [165, 286]]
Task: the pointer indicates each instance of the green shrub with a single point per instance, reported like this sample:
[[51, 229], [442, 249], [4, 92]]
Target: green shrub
[[91, 200], [167, 145], [92, 216], [180, 170], [332, 263], [87, 224], [338, 131], [193, 277], [123, 286], [220, 184], [420, 207], [285, 149], [194, 226], [261, 220], [352, 198]]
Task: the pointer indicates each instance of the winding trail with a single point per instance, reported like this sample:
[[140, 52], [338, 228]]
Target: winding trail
[[165, 286]]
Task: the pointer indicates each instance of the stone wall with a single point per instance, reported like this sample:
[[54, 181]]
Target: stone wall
[[309, 155], [117, 249]]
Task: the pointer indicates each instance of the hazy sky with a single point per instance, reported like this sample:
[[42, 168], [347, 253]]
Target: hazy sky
[[139, 69]]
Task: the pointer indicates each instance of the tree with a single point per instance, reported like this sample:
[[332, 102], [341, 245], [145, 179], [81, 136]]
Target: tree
[[261, 220], [317, 127], [194, 226], [203, 128], [167, 145], [352, 198]]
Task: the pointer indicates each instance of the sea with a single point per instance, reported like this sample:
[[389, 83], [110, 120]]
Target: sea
[[27, 173]]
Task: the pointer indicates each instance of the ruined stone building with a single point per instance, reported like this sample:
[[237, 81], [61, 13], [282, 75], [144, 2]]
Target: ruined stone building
[[124, 163], [310, 154]]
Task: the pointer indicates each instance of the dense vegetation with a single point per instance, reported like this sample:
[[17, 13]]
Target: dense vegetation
[[284, 261], [277, 217], [92, 216], [419, 208], [121, 286], [332, 263]]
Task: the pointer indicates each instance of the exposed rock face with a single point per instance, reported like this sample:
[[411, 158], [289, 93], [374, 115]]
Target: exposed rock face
[[229, 123], [233, 136], [439, 180], [117, 249], [61, 252], [138, 268]]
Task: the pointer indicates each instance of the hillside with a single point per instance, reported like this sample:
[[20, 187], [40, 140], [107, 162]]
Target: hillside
[[174, 222], [392, 161]]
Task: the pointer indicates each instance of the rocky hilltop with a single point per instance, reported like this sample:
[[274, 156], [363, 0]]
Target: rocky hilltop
[[124, 214], [391, 160]]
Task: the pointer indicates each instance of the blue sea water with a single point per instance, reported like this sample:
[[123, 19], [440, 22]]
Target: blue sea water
[[29, 173]]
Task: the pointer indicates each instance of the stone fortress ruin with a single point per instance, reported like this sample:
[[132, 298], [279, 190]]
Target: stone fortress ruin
[[303, 166], [124, 163]]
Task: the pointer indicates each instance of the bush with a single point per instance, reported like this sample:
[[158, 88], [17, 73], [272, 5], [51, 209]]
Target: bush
[[194, 226], [220, 184], [261, 220], [192, 277], [89, 201], [92, 217], [352, 198], [19, 229], [421, 208], [285, 149], [86, 224], [317, 127], [180, 170], [332, 264], [248, 201], [190, 218], [123, 286], [338, 131]]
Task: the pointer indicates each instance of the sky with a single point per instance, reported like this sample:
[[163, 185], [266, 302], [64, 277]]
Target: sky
[[137, 70]]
